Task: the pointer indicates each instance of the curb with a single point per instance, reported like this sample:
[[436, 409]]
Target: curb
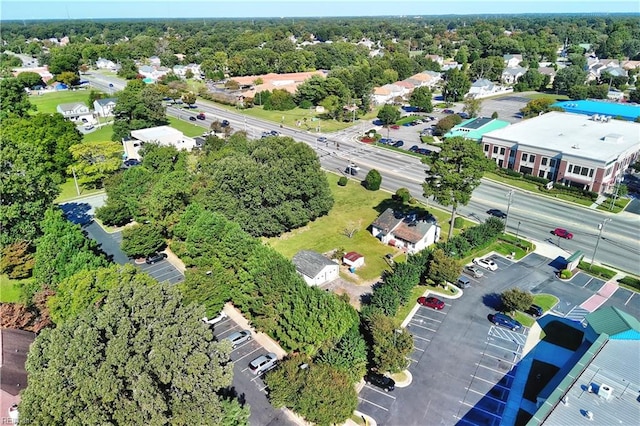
[[404, 383]]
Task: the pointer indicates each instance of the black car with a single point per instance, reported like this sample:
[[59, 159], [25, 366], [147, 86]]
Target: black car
[[414, 148], [192, 118], [398, 144], [423, 151], [497, 213], [383, 382], [534, 311], [155, 258], [131, 162], [225, 123]]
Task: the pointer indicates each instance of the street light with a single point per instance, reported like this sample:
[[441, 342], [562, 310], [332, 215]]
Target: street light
[[595, 249], [518, 230], [509, 196]]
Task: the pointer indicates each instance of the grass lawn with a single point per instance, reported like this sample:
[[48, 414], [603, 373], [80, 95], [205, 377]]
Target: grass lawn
[[540, 374], [68, 191], [547, 95], [545, 301], [505, 248], [533, 187], [190, 130], [101, 134], [563, 335], [10, 289], [404, 310], [618, 206], [47, 102]]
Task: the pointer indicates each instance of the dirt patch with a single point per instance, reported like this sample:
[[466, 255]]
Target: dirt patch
[[356, 292]]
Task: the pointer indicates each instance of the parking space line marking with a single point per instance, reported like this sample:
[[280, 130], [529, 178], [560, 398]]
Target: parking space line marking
[[430, 319], [379, 391], [414, 360], [629, 299], [499, 359], [491, 383], [246, 355], [373, 403], [233, 327], [421, 338], [418, 349], [495, 371], [505, 348], [484, 411], [262, 390], [488, 396], [421, 326]]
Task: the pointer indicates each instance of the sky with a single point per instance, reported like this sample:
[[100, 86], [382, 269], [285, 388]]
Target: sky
[[101, 9]]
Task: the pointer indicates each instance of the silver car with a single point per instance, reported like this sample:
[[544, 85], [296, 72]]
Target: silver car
[[263, 363], [239, 337], [474, 271]]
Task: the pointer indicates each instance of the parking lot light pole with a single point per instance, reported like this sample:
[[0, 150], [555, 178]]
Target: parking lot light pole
[[595, 249], [518, 230], [509, 201]]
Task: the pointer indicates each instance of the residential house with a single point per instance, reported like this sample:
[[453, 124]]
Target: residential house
[[315, 268], [14, 347], [104, 107], [153, 72], [271, 81], [75, 111], [512, 61], [353, 259], [154, 61], [381, 95], [410, 232], [482, 87], [615, 95], [511, 75], [426, 78], [436, 58], [630, 65], [105, 64], [550, 71], [449, 65], [595, 67]]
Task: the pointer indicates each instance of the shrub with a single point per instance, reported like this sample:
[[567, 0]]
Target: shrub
[[565, 274], [509, 173], [560, 189], [373, 180], [403, 194], [598, 271], [343, 181], [305, 104], [630, 281], [535, 179], [458, 222]]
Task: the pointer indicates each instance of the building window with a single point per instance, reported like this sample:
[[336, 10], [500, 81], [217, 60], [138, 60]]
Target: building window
[[590, 172], [532, 158], [541, 173], [524, 157], [570, 169], [501, 151], [552, 162], [486, 148], [495, 149], [544, 161], [550, 175], [584, 171], [526, 170]]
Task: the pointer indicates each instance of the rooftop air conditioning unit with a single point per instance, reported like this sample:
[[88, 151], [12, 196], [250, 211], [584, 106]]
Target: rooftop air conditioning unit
[[605, 391]]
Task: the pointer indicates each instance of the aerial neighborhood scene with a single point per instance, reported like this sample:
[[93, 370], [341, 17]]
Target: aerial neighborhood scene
[[320, 213]]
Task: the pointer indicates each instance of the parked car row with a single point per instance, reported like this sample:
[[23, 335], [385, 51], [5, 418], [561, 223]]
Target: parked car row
[[418, 150], [391, 142]]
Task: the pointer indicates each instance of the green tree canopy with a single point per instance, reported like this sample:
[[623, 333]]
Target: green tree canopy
[[421, 99], [390, 345], [454, 173], [568, 77], [141, 358], [321, 393], [30, 79], [373, 180], [515, 299], [388, 114], [13, 99], [95, 161], [141, 240], [139, 106], [457, 85], [443, 268]]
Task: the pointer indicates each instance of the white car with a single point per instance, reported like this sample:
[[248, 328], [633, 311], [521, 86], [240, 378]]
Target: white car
[[353, 166], [215, 320], [486, 263], [263, 363]]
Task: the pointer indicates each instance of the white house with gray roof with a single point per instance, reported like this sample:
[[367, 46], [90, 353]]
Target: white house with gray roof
[[315, 268], [411, 232], [104, 107], [75, 111]]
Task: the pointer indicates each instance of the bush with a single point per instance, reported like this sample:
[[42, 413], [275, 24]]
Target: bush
[[565, 274], [630, 281], [560, 189], [142, 240], [373, 180], [403, 195], [536, 179], [305, 104], [598, 271], [509, 173], [343, 181], [114, 213], [458, 222]]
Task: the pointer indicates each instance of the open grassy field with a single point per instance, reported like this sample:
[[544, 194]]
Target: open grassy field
[[186, 127], [354, 205], [48, 101], [552, 96], [68, 191]]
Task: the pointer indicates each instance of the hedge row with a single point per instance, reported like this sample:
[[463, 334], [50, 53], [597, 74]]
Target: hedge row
[[560, 189], [473, 238], [630, 281]]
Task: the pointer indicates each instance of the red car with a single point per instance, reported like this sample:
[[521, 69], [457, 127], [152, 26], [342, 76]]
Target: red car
[[395, 127], [431, 302], [562, 233]]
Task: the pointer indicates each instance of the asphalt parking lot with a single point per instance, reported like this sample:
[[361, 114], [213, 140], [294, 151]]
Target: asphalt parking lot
[[462, 365], [249, 387], [162, 271]]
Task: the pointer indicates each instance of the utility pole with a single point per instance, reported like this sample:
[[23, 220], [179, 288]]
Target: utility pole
[[595, 249], [509, 201], [518, 230]]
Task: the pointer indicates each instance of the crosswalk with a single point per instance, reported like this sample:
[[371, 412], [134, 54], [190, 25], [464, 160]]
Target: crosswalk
[[577, 314]]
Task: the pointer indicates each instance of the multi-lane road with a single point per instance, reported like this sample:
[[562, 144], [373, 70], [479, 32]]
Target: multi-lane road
[[530, 215]]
